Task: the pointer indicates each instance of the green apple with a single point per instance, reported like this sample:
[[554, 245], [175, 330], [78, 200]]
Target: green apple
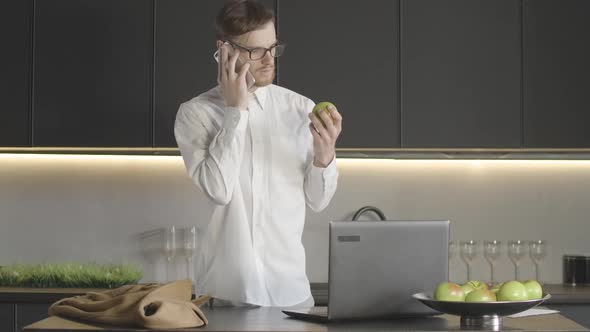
[[480, 295], [477, 284], [533, 289], [467, 288], [448, 291], [512, 291], [323, 106], [496, 287]]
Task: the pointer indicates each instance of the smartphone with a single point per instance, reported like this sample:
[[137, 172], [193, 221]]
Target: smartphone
[[250, 81]]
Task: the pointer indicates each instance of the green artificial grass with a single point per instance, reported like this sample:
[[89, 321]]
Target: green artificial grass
[[65, 275]]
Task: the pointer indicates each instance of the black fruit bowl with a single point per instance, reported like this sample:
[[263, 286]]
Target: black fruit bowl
[[480, 314]]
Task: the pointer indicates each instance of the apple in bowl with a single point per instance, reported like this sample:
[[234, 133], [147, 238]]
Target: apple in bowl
[[472, 285], [481, 295], [533, 289], [512, 291], [477, 291], [449, 291]]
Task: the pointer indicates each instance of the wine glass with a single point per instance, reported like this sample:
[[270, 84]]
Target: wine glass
[[169, 249], [492, 250], [189, 246], [516, 252], [538, 252], [452, 252], [468, 254]]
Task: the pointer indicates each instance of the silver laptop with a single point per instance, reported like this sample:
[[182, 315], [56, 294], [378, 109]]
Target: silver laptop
[[376, 266]]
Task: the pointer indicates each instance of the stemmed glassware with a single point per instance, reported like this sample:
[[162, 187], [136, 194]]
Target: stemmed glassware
[[468, 254], [190, 244], [169, 250], [538, 251], [517, 251], [492, 250]]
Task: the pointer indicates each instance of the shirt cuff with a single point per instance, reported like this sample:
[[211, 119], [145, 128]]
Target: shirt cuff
[[324, 172], [234, 119]]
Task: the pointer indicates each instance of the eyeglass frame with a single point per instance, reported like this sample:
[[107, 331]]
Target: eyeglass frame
[[249, 50]]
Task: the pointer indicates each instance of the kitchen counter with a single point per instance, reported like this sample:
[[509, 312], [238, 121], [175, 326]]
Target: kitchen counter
[[559, 294], [272, 319]]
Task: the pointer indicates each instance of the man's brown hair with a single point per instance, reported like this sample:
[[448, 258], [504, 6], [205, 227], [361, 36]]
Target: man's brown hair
[[238, 17]]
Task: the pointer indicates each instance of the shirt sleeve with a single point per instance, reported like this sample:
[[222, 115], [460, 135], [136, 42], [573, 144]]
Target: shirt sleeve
[[320, 183], [212, 159]]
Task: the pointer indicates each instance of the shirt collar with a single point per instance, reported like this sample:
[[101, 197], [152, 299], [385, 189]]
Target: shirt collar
[[261, 94]]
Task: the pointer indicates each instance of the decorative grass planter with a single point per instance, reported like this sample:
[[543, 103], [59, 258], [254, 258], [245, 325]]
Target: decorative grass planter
[[69, 275]]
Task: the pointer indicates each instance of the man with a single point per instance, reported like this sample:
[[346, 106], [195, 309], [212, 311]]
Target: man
[[260, 156]]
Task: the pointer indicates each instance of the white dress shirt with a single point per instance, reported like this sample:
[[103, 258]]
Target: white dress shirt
[[256, 167]]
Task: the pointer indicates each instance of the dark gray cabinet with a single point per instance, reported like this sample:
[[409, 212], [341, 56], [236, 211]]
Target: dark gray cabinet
[[184, 65], [7, 317], [93, 73], [461, 73], [347, 53], [403, 73], [15, 69], [556, 73], [29, 313], [13, 317], [185, 42]]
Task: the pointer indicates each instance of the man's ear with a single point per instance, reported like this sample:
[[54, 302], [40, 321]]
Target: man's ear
[[219, 43]]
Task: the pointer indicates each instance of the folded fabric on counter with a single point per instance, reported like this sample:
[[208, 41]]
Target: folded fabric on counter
[[149, 306]]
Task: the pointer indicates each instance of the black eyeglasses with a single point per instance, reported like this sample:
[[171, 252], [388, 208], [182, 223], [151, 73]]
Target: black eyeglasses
[[258, 53]]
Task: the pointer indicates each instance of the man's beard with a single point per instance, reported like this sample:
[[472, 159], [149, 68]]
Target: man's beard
[[266, 81]]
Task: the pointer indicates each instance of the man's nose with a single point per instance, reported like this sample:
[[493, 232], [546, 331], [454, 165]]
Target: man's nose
[[268, 59]]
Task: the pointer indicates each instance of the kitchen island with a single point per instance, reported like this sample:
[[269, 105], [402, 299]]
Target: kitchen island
[[269, 319]]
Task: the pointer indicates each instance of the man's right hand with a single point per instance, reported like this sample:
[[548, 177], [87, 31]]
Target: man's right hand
[[233, 85]]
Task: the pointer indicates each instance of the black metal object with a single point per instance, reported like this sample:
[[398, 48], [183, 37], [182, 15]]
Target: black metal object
[[368, 208], [576, 270]]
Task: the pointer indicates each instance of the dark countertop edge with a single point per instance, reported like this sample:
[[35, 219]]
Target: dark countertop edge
[[40, 295], [559, 294], [567, 299]]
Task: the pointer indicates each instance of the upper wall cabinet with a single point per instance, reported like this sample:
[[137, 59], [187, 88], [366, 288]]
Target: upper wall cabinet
[[461, 73], [438, 74], [15, 72], [185, 68], [556, 73], [346, 52], [93, 73]]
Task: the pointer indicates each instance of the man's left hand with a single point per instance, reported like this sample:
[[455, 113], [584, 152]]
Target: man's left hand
[[324, 137]]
